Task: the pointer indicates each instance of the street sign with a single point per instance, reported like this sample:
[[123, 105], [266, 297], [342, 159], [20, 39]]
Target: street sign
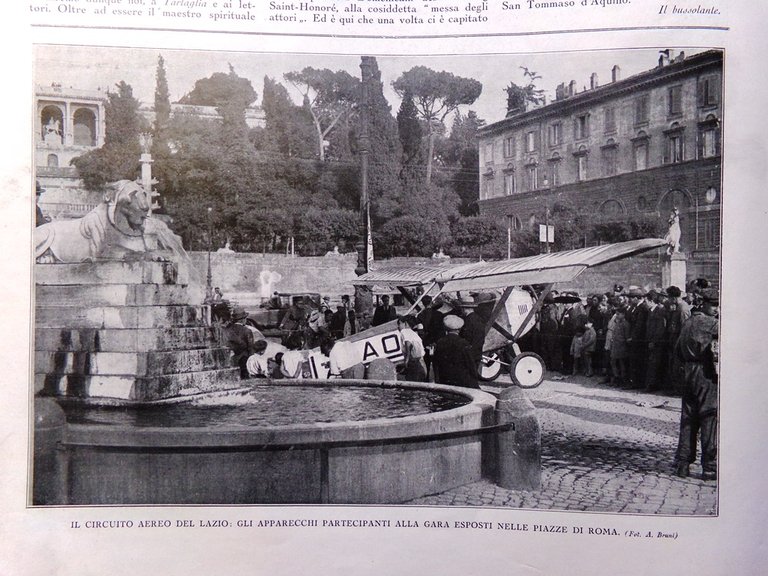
[[546, 233]]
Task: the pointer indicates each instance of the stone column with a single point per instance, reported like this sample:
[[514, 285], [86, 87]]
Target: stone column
[[673, 270], [518, 450]]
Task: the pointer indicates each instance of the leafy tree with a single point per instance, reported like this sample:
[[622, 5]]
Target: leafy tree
[[162, 100], [221, 88], [384, 186], [478, 237], [289, 128], [410, 236], [327, 96], [118, 158], [520, 97], [436, 95]]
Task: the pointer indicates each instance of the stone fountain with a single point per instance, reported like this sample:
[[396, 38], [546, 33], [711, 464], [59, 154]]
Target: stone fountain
[[118, 311]]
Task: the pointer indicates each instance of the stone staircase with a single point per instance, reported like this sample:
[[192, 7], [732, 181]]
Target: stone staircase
[[124, 331]]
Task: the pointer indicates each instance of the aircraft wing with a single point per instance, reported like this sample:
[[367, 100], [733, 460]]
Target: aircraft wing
[[539, 269]]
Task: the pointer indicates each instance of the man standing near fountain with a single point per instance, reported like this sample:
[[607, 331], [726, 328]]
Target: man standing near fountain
[[240, 340], [454, 363]]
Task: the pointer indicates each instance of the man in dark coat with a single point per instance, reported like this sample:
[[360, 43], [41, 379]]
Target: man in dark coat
[[473, 330], [572, 320], [696, 349], [453, 360], [384, 312], [679, 312], [239, 339], [548, 327], [638, 320], [655, 332]]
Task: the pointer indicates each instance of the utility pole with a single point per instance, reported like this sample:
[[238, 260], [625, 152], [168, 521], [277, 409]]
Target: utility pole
[[363, 298]]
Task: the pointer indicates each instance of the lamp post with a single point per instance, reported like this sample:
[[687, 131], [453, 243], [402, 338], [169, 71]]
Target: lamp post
[[209, 278]]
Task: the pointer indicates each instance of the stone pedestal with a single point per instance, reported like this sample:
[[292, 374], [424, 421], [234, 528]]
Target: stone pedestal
[[124, 330], [673, 271]]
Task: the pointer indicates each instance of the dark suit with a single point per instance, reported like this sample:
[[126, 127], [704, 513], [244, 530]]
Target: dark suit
[[454, 363]]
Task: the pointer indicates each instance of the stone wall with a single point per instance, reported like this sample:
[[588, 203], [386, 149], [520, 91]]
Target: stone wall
[[642, 270], [250, 277], [247, 278]]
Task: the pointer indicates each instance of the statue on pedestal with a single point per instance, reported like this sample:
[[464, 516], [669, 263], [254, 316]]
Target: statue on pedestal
[[673, 233]]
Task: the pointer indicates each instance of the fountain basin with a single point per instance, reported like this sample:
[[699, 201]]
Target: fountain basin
[[369, 461]]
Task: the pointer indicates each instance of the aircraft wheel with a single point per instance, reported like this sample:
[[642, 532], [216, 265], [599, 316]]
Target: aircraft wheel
[[490, 367], [527, 370]]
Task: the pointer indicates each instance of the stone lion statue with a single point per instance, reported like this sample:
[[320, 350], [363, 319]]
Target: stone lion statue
[[114, 229]]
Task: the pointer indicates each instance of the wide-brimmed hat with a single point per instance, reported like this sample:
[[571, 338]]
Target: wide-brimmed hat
[[453, 322], [467, 302], [441, 305], [484, 298], [635, 292], [568, 298], [238, 313], [674, 292]]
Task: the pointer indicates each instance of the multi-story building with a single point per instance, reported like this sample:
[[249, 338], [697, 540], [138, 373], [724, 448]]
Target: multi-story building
[[69, 123], [633, 148]]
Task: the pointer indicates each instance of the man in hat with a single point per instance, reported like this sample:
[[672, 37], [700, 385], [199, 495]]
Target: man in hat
[[637, 316], [239, 339], [453, 360], [548, 328], [655, 333], [40, 218], [697, 350], [678, 311], [475, 322], [572, 320], [384, 312]]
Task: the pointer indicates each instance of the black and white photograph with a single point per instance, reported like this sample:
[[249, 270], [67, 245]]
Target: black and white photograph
[[482, 280]]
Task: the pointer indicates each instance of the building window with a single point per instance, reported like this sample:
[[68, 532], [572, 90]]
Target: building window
[[610, 158], [531, 141], [709, 137], [556, 134], [509, 147], [488, 153], [510, 184], [709, 91], [674, 148], [708, 143], [675, 100], [554, 170], [581, 163], [533, 177], [514, 223], [710, 233], [640, 148], [642, 109], [610, 119], [611, 209], [53, 161], [488, 189], [581, 127], [84, 127]]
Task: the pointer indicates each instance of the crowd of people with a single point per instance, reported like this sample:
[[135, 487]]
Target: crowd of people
[[627, 336], [654, 340]]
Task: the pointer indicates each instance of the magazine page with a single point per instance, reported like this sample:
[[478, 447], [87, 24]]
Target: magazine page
[[382, 286]]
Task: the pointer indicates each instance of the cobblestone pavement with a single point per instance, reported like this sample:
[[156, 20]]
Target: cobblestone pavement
[[603, 449]]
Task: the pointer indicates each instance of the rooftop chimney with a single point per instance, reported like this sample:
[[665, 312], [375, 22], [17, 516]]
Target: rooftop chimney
[[572, 88], [593, 81], [615, 73]]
